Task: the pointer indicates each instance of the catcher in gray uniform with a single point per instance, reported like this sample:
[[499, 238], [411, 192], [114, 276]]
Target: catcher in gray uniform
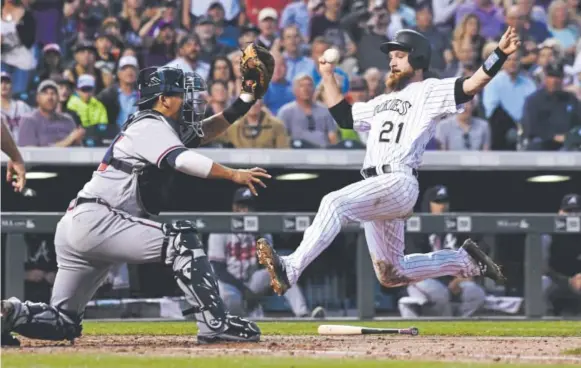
[[107, 223]]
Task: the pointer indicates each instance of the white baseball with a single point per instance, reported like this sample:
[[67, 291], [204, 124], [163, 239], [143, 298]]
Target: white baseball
[[331, 56]]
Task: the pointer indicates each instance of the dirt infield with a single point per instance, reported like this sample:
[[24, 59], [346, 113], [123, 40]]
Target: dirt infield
[[487, 349]]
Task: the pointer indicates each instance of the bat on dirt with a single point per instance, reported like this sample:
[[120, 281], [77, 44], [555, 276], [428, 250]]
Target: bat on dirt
[[355, 330]]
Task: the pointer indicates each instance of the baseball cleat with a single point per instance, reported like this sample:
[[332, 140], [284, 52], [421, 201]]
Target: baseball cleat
[[487, 267], [7, 311], [267, 257], [319, 313], [237, 330]]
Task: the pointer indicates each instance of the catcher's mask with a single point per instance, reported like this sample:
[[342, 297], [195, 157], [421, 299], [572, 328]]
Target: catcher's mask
[[157, 81]]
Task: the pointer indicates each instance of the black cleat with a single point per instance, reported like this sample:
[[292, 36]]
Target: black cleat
[[237, 330], [276, 268], [8, 340], [487, 267]]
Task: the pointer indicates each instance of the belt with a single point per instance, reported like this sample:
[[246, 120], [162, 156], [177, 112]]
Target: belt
[[370, 172], [80, 200]]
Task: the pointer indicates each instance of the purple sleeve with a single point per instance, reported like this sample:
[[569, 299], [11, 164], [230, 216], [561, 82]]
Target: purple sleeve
[[461, 13], [27, 134]]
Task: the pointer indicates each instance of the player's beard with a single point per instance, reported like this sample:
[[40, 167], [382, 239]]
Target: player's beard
[[398, 80]]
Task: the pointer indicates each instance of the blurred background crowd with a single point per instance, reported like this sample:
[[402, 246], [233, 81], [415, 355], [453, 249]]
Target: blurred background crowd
[[69, 67]]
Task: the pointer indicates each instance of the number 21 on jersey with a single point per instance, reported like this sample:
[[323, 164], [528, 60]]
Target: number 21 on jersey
[[390, 132]]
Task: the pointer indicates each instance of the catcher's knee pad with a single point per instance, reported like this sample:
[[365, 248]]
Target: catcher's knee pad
[[42, 321], [194, 275]]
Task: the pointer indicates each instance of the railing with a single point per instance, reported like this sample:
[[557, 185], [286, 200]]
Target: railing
[[330, 159], [533, 225]]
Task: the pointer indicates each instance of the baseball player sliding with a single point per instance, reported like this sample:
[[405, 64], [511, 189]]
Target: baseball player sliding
[[107, 223], [400, 124]]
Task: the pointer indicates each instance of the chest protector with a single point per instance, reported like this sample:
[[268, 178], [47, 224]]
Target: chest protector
[[154, 184]]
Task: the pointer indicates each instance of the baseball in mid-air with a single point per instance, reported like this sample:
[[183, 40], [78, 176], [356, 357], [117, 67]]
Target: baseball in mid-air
[[331, 55]]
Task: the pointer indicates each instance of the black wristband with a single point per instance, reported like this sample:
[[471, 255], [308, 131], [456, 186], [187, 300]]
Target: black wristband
[[342, 114], [494, 62], [237, 110]]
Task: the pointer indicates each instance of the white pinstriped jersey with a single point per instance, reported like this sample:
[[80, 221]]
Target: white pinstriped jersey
[[401, 123]]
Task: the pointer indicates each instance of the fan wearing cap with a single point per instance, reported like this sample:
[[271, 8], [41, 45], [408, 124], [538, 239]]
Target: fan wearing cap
[[12, 109], [433, 297], [85, 58], [45, 126], [120, 99], [188, 57], [83, 102], [210, 47], [562, 257], [268, 26], [241, 282], [50, 65], [550, 112], [226, 32], [105, 60]]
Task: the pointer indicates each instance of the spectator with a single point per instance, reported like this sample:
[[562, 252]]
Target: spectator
[[120, 99], [130, 22], [188, 58], [12, 109], [105, 61], [537, 28], [547, 53], [48, 15], [267, 23], [306, 120], [489, 15], [319, 46], [562, 258], [439, 41], [373, 79], [65, 91], [226, 32], [235, 58], [248, 35], [280, 90], [241, 282], [219, 98], [328, 27], [71, 25], [90, 110], [562, 27], [444, 12], [467, 34], [297, 14], [516, 19], [296, 63], [112, 28], [574, 12], [192, 9], [91, 16], [433, 297], [163, 48], [463, 132], [50, 66], [574, 72], [221, 69], [503, 100], [401, 16], [85, 58], [162, 16], [18, 31], [210, 48], [550, 112], [258, 129], [45, 126], [465, 56]]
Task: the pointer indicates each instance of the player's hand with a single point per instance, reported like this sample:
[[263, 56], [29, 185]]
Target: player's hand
[[575, 282], [250, 178], [510, 42], [16, 170], [325, 68]]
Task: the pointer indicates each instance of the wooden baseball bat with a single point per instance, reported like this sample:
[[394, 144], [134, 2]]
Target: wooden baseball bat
[[356, 330]]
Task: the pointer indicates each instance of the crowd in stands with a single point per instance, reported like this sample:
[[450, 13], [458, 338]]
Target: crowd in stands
[[69, 67]]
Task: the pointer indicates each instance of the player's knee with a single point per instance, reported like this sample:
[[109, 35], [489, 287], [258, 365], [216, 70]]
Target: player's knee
[[391, 275], [181, 238]]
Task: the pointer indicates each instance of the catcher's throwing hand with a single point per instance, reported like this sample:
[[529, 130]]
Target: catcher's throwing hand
[[256, 67], [510, 41], [16, 174], [251, 177]]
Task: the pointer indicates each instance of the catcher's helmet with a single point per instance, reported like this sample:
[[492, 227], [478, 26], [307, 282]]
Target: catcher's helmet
[[415, 44], [157, 81]]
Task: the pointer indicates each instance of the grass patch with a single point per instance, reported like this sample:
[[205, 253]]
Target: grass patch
[[575, 351], [427, 328], [100, 361]]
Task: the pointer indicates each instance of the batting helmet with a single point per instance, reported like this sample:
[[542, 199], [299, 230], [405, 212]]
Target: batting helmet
[[415, 44]]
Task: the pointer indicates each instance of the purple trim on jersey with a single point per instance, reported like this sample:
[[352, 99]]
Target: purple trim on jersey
[[165, 153]]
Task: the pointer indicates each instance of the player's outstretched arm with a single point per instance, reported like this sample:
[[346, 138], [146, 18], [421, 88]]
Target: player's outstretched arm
[[219, 123], [15, 166], [508, 44], [339, 108]]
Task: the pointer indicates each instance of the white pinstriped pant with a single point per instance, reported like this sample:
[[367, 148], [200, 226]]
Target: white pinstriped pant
[[382, 203]]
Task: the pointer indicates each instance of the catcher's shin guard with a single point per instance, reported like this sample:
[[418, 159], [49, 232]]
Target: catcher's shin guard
[[194, 275], [39, 321]]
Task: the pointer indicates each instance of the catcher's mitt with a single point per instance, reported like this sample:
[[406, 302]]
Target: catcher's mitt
[[256, 67]]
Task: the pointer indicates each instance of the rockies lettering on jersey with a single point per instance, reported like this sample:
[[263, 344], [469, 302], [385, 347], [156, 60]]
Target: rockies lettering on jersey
[[401, 123]]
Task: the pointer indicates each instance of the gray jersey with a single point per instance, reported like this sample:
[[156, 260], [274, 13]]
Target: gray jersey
[[145, 141]]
